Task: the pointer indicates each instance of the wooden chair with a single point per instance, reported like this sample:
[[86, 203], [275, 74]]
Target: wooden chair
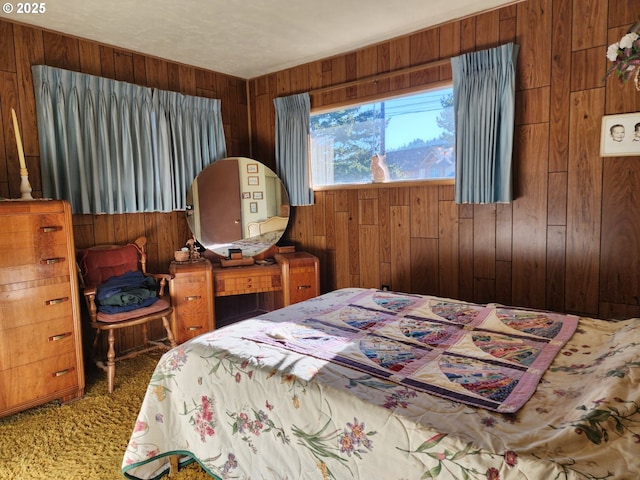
[[97, 265]]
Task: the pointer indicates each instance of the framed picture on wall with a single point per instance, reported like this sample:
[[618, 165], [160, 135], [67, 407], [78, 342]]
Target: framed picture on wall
[[246, 195], [253, 180], [253, 207], [252, 168], [257, 195], [620, 135]]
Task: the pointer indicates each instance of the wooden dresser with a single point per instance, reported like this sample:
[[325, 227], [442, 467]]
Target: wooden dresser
[[40, 335], [191, 291]]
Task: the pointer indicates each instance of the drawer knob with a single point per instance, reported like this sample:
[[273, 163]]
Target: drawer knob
[[192, 297], [194, 328], [303, 287], [56, 301], [51, 261], [50, 229], [60, 336]]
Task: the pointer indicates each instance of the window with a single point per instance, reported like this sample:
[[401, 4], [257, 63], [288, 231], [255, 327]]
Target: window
[[414, 134]]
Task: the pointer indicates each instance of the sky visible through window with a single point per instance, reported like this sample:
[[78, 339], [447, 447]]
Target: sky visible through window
[[413, 117]]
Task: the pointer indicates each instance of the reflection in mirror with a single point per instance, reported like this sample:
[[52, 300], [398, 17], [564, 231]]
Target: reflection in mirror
[[240, 203]]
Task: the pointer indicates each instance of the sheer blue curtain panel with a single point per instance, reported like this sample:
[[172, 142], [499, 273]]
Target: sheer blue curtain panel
[[113, 147], [292, 146], [484, 105]]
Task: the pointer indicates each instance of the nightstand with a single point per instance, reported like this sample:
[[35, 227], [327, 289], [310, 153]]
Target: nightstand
[[191, 292]]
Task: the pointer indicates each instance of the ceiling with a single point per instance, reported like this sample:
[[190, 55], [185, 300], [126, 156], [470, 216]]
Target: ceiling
[[244, 38]]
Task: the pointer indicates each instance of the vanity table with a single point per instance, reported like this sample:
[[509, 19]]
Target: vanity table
[[290, 278], [237, 207]]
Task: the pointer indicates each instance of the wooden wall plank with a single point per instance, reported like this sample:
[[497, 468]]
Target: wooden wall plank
[[584, 202], [424, 211], [424, 266], [400, 248], [484, 241], [620, 228], [448, 261], [534, 37], [560, 86], [343, 278], [530, 217], [369, 248]]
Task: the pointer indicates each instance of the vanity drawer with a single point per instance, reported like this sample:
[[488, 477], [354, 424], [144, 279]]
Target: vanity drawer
[[301, 270], [241, 280], [303, 284], [239, 286], [191, 293]]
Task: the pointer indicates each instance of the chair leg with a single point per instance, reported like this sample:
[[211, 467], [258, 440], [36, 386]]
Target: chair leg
[[94, 347], [111, 361], [145, 334], [170, 336]]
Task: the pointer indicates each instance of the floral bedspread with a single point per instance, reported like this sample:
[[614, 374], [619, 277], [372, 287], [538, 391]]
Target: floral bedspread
[[251, 410]]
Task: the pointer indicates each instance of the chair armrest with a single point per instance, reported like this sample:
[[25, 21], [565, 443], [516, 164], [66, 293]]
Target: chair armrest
[[163, 280], [90, 297]]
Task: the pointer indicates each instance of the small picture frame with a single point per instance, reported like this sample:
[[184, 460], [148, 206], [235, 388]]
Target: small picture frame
[[252, 168], [620, 135], [253, 207], [258, 195], [246, 195], [253, 180]]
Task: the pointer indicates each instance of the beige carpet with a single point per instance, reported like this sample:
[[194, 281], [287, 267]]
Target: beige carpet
[[85, 439]]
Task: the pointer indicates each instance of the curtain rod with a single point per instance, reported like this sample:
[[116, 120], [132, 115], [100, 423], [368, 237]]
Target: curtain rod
[[382, 76]]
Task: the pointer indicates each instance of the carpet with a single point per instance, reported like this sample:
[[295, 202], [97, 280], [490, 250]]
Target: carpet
[[85, 439]]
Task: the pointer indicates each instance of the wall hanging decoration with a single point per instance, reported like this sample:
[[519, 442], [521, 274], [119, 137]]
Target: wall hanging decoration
[[620, 135], [625, 56]]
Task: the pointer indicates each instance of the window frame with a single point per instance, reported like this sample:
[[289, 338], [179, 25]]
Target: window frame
[[364, 100]]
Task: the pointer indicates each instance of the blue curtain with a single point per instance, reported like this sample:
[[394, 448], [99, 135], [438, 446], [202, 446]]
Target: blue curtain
[[292, 146], [484, 106], [113, 147]]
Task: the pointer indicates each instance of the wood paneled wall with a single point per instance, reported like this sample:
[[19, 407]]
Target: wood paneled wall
[[22, 46], [571, 239], [569, 242]]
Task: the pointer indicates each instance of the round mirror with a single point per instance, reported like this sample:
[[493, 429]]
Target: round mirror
[[237, 203]]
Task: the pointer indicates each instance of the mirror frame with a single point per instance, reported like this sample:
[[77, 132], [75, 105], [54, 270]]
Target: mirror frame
[[260, 216]]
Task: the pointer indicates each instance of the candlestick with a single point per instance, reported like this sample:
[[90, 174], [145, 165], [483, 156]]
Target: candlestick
[[16, 131]]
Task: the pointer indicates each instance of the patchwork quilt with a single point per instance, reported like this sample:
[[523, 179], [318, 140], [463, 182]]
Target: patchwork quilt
[[487, 356]]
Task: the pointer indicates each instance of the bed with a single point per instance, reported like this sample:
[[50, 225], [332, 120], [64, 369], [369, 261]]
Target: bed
[[361, 383]]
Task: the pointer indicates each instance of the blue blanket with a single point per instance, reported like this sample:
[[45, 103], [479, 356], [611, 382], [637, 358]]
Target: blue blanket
[[126, 292]]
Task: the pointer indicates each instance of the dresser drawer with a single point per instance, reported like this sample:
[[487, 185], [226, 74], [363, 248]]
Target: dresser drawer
[[303, 283], [34, 382], [27, 306], [22, 264], [191, 326], [34, 231], [22, 345]]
